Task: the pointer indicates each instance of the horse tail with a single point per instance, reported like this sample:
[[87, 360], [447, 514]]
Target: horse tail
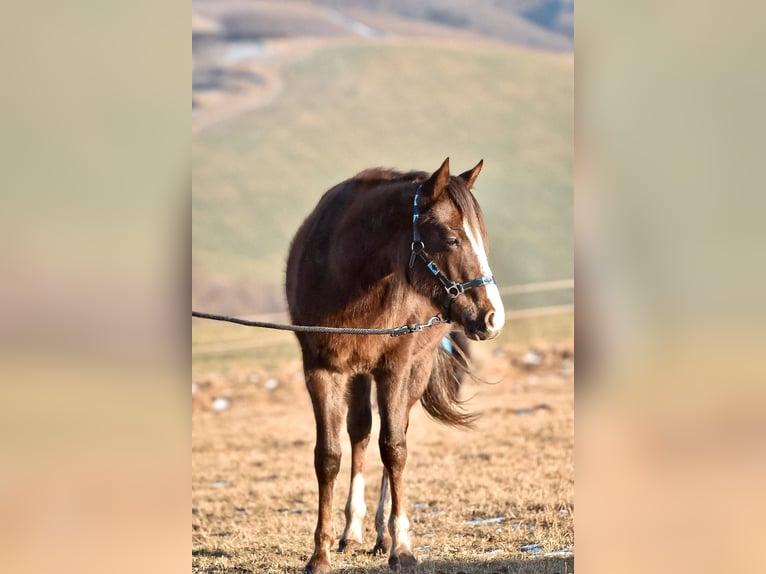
[[441, 399]]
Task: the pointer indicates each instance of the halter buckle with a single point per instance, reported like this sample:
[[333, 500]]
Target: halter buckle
[[454, 290]]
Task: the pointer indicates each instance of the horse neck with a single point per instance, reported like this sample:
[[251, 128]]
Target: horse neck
[[380, 231]]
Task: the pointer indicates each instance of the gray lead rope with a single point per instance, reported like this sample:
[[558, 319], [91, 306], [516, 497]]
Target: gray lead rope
[[392, 332]]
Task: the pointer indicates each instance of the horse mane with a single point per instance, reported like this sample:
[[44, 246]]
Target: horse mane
[[382, 174]]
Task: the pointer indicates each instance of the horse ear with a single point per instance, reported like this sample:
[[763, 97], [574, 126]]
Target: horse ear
[[436, 184], [470, 176]]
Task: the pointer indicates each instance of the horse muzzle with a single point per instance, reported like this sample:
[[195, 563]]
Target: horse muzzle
[[487, 326]]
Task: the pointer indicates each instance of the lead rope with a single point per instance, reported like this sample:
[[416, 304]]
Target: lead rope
[[393, 332]]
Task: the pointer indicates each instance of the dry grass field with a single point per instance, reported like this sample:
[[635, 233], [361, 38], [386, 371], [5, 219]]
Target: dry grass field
[[499, 498]]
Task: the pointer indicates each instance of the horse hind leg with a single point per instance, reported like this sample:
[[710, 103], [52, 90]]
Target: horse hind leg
[[359, 424], [326, 392], [383, 541]]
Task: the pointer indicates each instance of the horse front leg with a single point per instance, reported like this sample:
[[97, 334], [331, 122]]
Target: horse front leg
[[326, 392], [359, 424]]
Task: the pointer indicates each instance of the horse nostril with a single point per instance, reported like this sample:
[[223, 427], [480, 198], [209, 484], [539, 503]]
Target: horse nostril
[[489, 320]]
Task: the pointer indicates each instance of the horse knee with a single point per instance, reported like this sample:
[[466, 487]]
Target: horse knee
[[393, 450], [327, 462]]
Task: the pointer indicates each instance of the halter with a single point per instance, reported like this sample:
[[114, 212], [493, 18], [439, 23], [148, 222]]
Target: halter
[[452, 288]]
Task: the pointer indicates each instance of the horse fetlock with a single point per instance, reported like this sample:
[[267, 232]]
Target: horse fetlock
[[399, 526], [349, 545], [382, 546], [351, 540], [401, 551]]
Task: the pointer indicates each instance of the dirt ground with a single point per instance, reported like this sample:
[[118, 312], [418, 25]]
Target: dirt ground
[[498, 498]]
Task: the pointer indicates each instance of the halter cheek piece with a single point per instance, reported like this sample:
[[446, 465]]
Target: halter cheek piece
[[452, 288]]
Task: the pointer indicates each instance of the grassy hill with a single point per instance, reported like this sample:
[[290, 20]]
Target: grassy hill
[[405, 104]]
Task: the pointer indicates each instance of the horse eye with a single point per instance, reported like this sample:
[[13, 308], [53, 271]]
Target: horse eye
[[453, 242]]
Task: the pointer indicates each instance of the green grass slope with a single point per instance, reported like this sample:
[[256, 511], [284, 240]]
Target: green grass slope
[[397, 104]]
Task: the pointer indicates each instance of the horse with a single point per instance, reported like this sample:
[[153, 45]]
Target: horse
[[386, 248]]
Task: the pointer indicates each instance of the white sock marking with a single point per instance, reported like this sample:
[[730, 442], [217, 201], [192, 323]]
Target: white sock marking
[[357, 509], [401, 535]]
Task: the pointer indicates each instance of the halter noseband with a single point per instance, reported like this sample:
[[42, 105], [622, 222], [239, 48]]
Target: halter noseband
[[452, 288]]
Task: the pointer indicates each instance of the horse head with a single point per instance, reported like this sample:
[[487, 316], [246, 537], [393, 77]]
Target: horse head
[[448, 263]]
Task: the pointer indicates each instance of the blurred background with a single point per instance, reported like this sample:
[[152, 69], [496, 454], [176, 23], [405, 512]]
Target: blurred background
[[290, 98]]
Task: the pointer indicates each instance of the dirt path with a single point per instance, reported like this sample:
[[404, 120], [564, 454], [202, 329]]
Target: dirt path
[[217, 106]]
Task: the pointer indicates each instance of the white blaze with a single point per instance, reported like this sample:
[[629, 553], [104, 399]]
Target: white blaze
[[477, 244]]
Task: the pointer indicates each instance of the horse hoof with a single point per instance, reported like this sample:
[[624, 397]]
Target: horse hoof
[[317, 567], [381, 547], [404, 561], [349, 546]]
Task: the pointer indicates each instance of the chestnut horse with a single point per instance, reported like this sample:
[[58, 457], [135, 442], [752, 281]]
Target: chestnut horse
[[386, 248]]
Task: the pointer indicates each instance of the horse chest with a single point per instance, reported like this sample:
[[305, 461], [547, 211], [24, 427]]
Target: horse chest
[[360, 355]]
